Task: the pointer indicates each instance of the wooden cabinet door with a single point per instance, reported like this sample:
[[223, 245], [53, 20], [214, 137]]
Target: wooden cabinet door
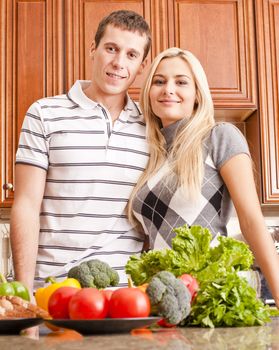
[[221, 34], [82, 18], [267, 20], [31, 61]]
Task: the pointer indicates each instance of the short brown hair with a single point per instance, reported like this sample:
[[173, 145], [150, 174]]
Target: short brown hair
[[127, 20]]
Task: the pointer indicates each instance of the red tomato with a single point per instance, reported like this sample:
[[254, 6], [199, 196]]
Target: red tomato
[[107, 293], [191, 283], [129, 302], [59, 301], [164, 323], [88, 303]]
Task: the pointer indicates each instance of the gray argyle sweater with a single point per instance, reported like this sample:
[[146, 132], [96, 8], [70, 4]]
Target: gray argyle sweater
[[160, 207]]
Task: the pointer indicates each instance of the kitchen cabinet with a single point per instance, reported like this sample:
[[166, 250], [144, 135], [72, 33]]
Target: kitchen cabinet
[[221, 34], [44, 48], [31, 66], [267, 20]]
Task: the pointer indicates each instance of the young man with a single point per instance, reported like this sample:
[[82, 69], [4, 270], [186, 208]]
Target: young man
[[78, 158]]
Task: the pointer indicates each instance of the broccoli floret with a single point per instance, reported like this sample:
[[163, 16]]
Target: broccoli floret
[[94, 273], [104, 275], [169, 297], [82, 274]]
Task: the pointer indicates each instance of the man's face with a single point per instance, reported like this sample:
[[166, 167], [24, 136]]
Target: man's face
[[117, 61]]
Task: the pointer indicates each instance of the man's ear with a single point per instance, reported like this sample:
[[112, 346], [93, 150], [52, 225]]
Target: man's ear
[[92, 49], [142, 66]]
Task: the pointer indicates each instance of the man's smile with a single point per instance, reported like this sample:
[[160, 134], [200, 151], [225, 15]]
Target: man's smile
[[115, 76]]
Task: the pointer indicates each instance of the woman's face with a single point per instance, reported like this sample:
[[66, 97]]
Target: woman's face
[[173, 91]]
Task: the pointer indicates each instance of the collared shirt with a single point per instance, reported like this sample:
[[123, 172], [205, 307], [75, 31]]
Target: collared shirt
[[92, 166]]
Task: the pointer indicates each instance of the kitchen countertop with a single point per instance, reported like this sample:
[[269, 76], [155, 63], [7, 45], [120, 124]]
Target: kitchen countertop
[[256, 338]]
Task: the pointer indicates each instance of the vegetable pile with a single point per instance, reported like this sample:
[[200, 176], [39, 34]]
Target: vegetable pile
[[224, 298], [82, 295]]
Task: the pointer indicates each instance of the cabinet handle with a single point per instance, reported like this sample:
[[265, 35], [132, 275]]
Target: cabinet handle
[[8, 187]]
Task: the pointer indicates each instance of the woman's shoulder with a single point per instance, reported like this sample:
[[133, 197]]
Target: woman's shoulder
[[224, 132], [225, 141], [222, 128]]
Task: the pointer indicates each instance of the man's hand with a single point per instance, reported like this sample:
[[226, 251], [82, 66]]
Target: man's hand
[[32, 332]]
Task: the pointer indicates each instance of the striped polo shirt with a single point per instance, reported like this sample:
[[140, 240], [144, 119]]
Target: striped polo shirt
[[92, 166]]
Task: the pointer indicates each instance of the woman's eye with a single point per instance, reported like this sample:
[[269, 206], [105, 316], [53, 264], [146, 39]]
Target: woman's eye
[[132, 55], [182, 82], [158, 82]]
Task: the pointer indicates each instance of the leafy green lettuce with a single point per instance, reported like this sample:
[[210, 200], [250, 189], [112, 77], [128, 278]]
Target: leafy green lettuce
[[193, 246], [228, 301], [224, 298], [191, 253], [142, 268], [230, 255]]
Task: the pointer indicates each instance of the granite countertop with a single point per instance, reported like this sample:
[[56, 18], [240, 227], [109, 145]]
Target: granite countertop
[[256, 338]]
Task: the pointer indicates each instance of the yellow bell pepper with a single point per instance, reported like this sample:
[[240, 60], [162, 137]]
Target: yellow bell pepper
[[43, 294], [142, 287]]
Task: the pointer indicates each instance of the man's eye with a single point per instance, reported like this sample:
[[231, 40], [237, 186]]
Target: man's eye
[[111, 49]]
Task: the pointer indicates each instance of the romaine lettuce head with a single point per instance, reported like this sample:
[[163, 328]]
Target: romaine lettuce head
[[193, 245], [142, 268], [231, 253]]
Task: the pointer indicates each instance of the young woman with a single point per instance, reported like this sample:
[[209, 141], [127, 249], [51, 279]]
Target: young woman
[[198, 169]]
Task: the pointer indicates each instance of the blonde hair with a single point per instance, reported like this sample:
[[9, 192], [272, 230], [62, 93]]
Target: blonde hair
[[185, 157]]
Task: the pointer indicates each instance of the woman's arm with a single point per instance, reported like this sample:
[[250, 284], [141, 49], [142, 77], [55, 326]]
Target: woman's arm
[[237, 174]]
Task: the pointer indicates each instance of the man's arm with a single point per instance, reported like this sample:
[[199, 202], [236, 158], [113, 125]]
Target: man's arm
[[25, 225]]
